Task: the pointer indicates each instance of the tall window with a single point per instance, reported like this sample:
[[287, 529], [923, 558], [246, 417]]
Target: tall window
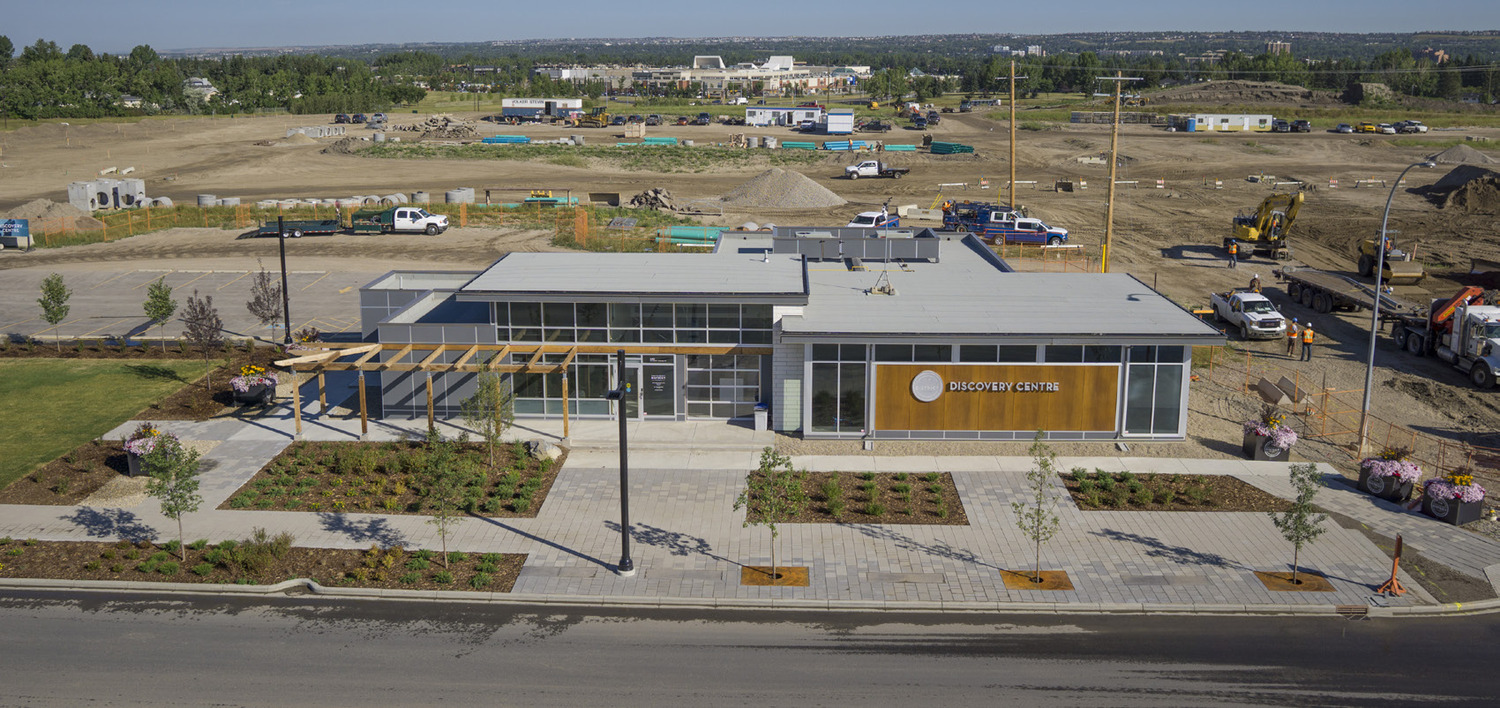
[[632, 323], [1153, 391], [838, 388]]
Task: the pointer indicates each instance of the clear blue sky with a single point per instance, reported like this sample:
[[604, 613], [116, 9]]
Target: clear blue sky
[[166, 25]]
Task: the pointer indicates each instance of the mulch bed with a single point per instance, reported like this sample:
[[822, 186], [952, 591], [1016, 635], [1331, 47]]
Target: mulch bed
[[197, 402], [1026, 580], [391, 478], [786, 576], [107, 349], [1124, 491], [870, 498], [393, 568], [1307, 581], [71, 478]]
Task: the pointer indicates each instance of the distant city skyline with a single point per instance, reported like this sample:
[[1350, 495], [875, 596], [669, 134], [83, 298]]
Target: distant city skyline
[[173, 25]]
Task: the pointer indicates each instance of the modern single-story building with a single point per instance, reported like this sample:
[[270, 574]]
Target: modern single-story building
[[840, 334]]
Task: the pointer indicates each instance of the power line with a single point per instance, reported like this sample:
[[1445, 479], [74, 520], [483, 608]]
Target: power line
[[1206, 66]]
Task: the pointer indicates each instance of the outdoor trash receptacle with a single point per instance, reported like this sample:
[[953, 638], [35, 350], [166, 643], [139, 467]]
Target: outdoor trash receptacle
[[762, 416]]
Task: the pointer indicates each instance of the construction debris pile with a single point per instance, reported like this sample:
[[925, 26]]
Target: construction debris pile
[[653, 199], [782, 189], [441, 126], [1467, 188], [45, 213]]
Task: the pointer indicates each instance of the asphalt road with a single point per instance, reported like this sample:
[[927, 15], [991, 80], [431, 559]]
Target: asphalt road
[[106, 649]]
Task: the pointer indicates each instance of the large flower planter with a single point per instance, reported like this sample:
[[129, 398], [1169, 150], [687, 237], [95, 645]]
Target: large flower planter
[[256, 395], [133, 463], [1453, 511], [1260, 448], [1391, 489]]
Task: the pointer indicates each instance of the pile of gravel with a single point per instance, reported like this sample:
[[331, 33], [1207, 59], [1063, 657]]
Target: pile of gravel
[[782, 189], [54, 215], [1462, 155]]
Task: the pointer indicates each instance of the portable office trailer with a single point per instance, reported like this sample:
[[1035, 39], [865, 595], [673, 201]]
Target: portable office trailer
[[763, 116], [841, 123], [539, 107], [1232, 122]]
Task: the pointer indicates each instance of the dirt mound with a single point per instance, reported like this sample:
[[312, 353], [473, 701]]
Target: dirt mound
[[1238, 92], [54, 215], [298, 139], [345, 146], [1462, 155], [1480, 195], [782, 189]]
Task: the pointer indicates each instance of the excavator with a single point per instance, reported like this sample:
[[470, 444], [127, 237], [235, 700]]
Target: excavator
[[1265, 231], [1399, 268], [597, 118]]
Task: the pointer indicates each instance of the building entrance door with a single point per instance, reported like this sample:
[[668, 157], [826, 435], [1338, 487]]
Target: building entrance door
[[658, 386]]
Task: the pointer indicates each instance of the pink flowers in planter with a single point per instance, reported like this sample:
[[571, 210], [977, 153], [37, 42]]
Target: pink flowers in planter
[[1281, 436], [251, 376], [1402, 470], [144, 439], [1459, 485]]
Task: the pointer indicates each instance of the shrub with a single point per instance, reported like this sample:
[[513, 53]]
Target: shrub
[[1165, 496], [1093, 500], [418, 564], [935, 488], [203, 568], [1126, 476], [108, 554], [485, 567], [199, 544], [867, 476], [1120, 497], [1196, 493], [169, 568], [457, 556], [942, 507], [875, 509], [214, 556], [491, 558], [443, 577], [172, 545], [1144, 497], [900, 476], [1107, 483], [480, 580], [159, 556], [1086, 487], [836, 509], [132, 554], [424, 554], [522, 505], [91, 565], [1079, 475], [116, 568], [146, 566], [5, 541], [408, 578], [932, 477], [1134, 486], [830, 490]]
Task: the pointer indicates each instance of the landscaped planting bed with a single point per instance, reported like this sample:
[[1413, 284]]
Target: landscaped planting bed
[[1126, 491], [871, 498], [260, 560], [71, 478], [395, 478]]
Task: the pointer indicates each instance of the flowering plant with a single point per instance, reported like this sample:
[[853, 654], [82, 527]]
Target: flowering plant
[[1392, 462], [1272, 424], [252, 375], [144, 439], [1458, 484]]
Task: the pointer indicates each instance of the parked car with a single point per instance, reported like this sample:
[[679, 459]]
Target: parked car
[[1387, 129], [1367, 127], [704, 118], [635, 119], [377, 117], [1411, 126], [683, 120], [807, 126], [1301, 126], [617, 120], [919, 123], [357, 118], [1344, 128], [341, 118], [653, 119], [1281, 126]]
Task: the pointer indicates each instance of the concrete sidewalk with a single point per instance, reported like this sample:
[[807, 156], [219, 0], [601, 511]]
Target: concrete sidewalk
[[688, 545]]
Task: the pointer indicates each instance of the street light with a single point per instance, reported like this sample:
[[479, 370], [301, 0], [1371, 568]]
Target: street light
[[627, 566], [286, 301], [1364, 410]]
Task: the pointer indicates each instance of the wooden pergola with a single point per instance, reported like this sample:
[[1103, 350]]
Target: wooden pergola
[[327, 360]]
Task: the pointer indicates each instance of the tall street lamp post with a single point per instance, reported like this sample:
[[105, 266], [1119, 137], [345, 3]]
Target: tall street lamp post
[[286, 298], [627, 566], [1364, 409]]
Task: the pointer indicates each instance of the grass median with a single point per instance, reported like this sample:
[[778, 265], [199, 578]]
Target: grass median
[[50, 406]]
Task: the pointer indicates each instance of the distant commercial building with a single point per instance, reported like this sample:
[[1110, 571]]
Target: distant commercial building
[[1278, 47]]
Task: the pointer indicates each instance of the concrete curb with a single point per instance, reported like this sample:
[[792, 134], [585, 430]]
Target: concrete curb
[[1489, 606]]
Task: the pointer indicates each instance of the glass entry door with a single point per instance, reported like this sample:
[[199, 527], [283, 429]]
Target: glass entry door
[[658, 386]]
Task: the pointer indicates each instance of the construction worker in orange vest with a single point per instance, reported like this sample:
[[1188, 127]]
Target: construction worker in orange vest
[[1307, 340], [1234, 253], [1293, 330]]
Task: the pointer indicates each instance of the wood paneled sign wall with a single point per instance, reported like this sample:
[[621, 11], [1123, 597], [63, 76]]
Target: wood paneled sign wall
[[995, 397]]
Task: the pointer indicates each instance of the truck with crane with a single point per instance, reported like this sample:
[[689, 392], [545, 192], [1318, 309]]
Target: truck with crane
[[1265, 231], [994, 223], [1461, 330]]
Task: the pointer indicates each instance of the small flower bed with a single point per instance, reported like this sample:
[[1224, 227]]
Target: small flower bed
[[1459, 485], [1392, 462], [144, 439], [251, 376], [1272, 424]]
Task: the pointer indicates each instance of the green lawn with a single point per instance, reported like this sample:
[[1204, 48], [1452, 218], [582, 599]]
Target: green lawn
[[50, 406]]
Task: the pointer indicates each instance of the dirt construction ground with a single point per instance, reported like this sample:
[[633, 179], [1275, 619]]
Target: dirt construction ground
[[1169, 237]]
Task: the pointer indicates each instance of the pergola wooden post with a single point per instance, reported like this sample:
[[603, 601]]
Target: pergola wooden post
[[431, 423], [322, 395], [297, 403], [565, 402], [364, 415]]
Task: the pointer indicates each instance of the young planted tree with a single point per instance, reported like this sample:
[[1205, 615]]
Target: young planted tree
[[773, 495], [160, 306], [445, 490], [265, 298], [491, 410], [54, 302], [1301, 524], [204, 330], [174, 481], [1034, 515]]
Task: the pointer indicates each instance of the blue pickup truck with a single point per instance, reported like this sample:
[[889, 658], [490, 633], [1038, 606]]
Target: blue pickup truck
[[994, 223]]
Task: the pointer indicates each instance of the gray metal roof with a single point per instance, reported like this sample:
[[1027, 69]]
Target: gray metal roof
[[965, 295], [737, 269]]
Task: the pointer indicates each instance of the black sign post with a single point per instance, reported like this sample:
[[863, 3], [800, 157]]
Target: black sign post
[[627, 566]]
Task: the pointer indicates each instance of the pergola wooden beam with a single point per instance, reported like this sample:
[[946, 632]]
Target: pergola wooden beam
[[467, 356], [430, 357], [571, 353], [326, 361], [318, 358], [368, 356], [384, 365], [535, 357]]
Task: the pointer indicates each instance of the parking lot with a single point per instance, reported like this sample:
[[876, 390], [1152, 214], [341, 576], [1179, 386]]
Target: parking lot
[[107, 302]]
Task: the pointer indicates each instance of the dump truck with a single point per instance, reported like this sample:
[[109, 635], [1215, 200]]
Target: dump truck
[[401, 219], [1461, 330], [875, 168], [1250, 312], [1398, 268], [1265, 231]]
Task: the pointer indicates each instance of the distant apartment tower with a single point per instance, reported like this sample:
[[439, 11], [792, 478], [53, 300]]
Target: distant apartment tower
[[1278, 47], [1035, 50]]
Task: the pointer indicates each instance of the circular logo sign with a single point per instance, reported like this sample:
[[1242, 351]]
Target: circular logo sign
[[927, 386], [1440, 507]]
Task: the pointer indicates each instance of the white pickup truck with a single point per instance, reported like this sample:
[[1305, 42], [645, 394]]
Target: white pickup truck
[[875, 168], [1252, 312]]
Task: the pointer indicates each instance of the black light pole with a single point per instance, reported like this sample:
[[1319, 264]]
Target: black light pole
[[627, 566], [286, 301]]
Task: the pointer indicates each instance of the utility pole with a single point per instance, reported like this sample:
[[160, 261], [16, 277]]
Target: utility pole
[[1114, 158], [1012, 188]]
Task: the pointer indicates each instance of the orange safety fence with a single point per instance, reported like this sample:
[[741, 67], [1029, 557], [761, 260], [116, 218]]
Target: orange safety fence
[[1333, 415]]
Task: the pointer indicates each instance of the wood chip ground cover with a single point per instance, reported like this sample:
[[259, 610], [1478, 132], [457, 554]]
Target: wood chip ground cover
[[264, 562], [890, 498], [391, 478], [71, 478], [1124, 491]]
